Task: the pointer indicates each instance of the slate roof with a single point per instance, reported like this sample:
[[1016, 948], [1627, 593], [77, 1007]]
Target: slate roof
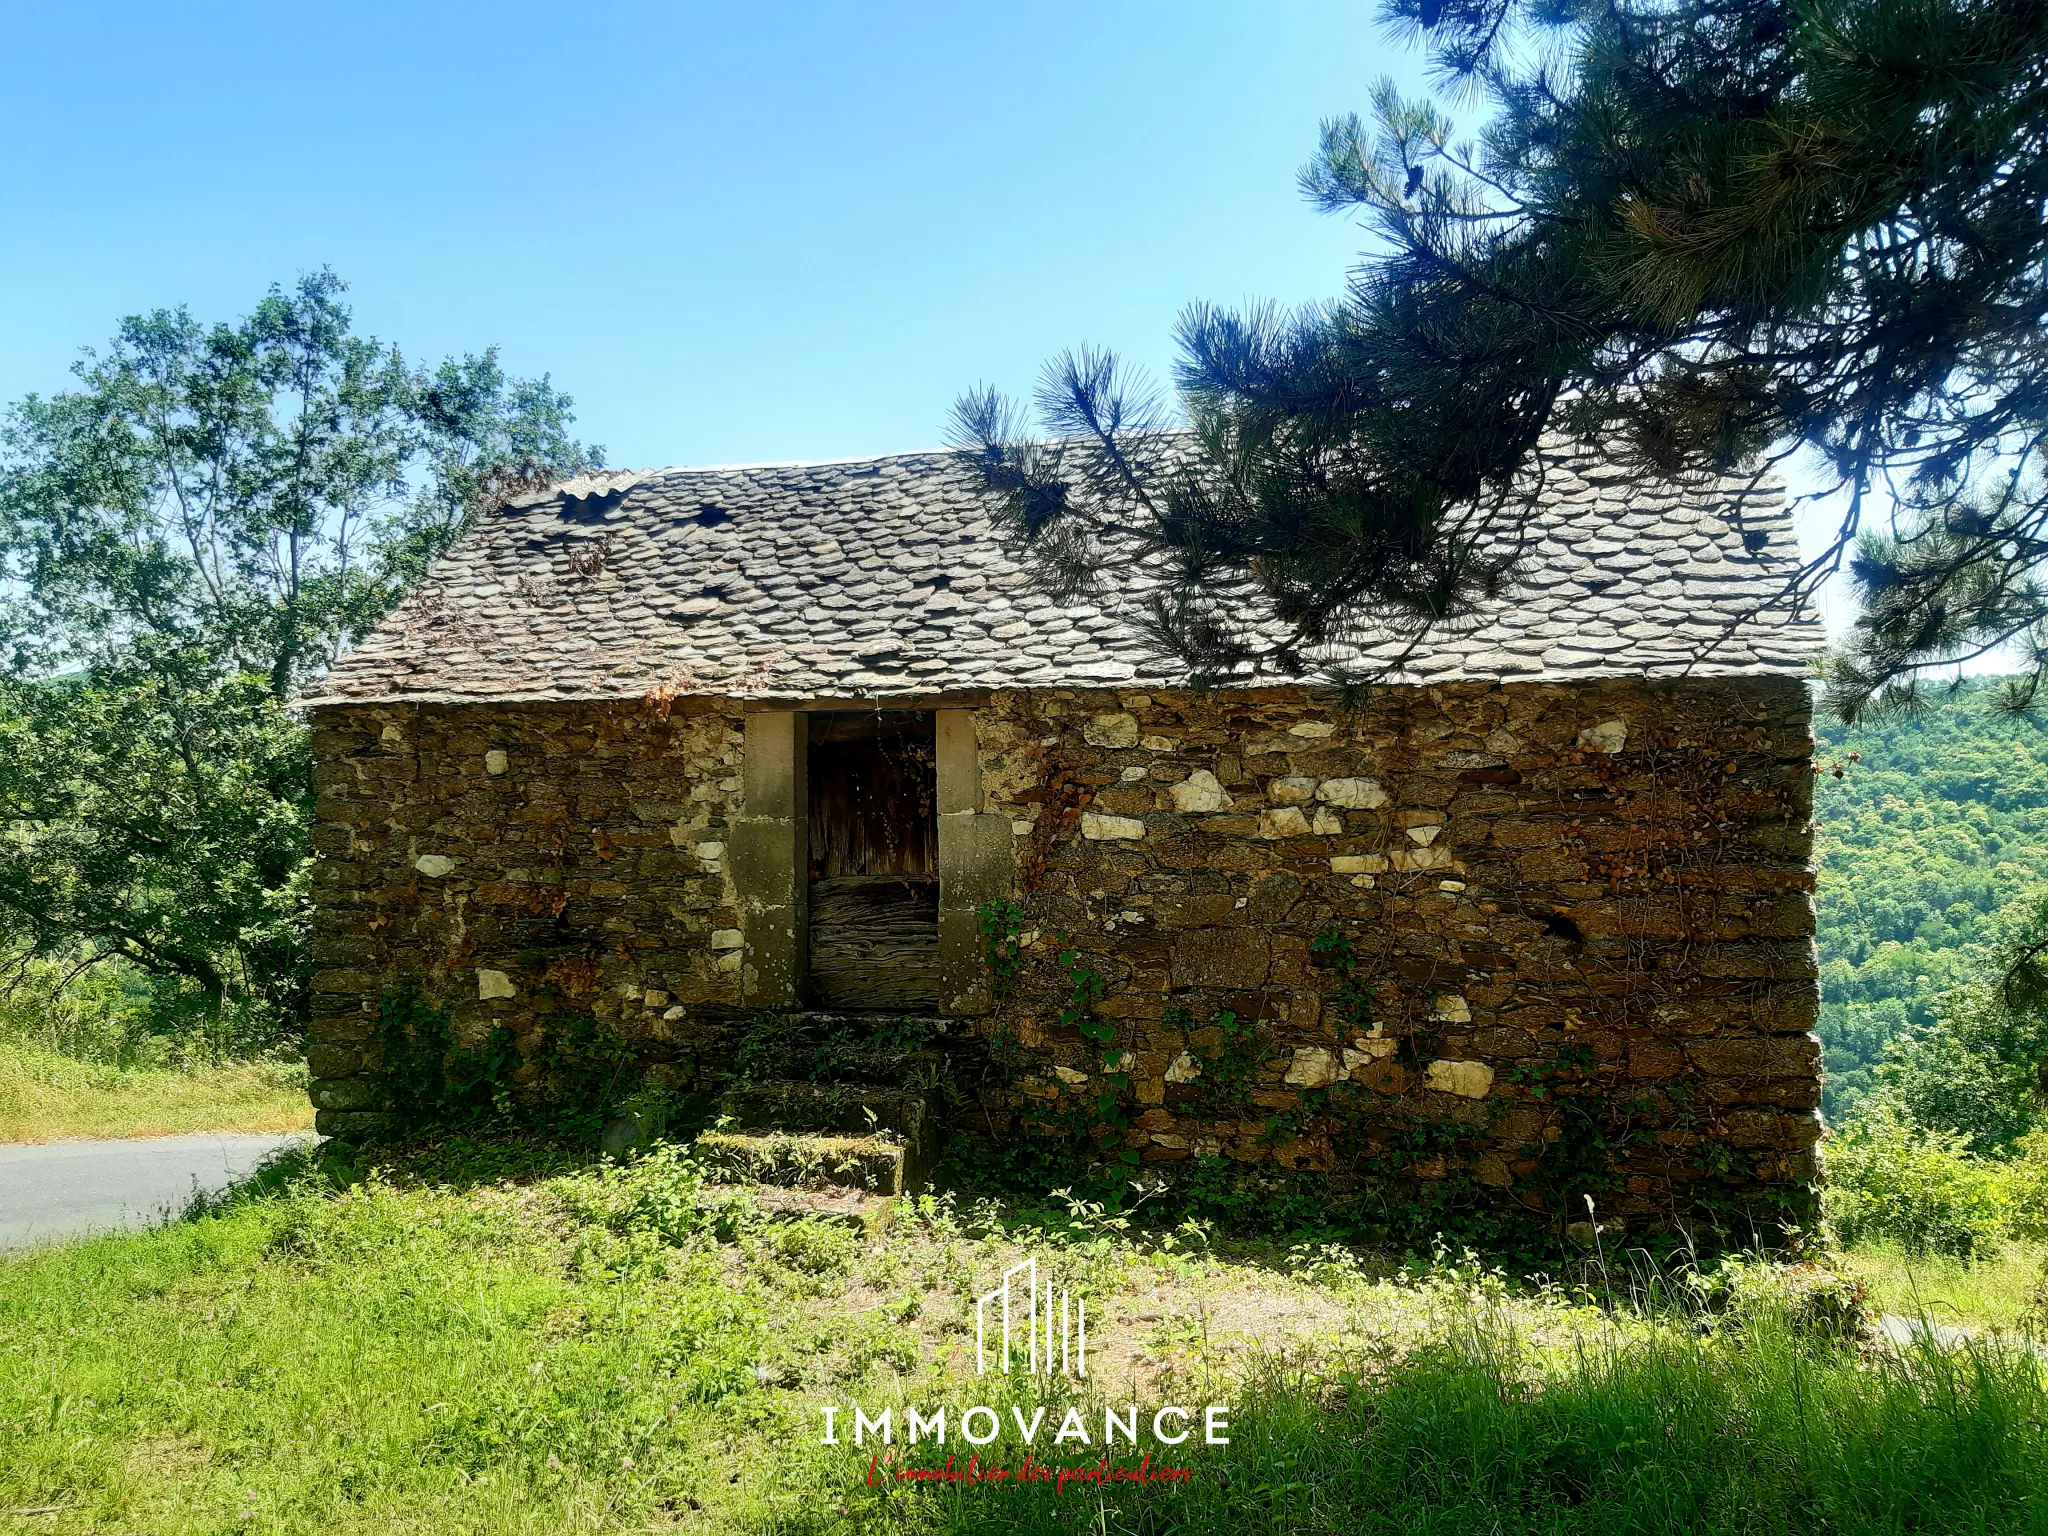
[[880, 577]]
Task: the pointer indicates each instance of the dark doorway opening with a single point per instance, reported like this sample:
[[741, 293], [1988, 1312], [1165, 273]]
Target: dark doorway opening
[[874, 860]]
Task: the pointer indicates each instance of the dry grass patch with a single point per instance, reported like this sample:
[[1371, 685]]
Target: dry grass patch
[[48, 1097]]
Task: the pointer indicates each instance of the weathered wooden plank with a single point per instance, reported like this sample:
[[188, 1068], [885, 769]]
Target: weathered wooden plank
[[875, 942]]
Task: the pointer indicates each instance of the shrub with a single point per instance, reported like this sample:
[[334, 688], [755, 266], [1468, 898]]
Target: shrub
[[2026, 1187], [111, 1014], [1919, 1188]]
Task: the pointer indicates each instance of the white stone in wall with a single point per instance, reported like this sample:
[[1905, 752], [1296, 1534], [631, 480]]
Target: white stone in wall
[[1069, 1076], [1108, 829], [1452, 1009], [1311, 1067], [1327, 823], [1200, 791], [1111, 731], [1467, 1079], [1185, 1068], [1292, 790], [1408, 860], [1424, 835], [490, 984], [1359, 864], [1314, 730], [728, 938], [433, 865], [495, 761], [1607, 736], [1364, 1051], [1285, 822], [1353, 794]]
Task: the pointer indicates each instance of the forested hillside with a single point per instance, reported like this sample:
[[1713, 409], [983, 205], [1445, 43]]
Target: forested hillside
[[1941, 824]]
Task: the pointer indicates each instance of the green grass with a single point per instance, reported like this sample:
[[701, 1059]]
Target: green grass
[[48, 1096], [2001, 1292], [500, 1341]]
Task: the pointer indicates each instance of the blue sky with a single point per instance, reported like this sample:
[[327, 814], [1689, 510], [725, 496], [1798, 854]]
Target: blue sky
[[732, 231]]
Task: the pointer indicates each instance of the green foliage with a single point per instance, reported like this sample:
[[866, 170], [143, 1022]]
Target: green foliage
[[585, 1073], [1889, 1179], [1228, 1072], [495, 1341], [1975, 1072], [633, 1214], [1002, 947], [431, 1079], [188, 537], [159, 815], [258, 492], [1333, 951], [777, 1045], [1086, 987], [1701, 233], [102, 1011], [1933, 845]]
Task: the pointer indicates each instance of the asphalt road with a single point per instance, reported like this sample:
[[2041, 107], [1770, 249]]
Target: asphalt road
[[63, 1189]]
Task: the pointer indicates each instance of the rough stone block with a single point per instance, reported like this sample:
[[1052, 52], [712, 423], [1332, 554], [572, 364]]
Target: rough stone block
[[1114, 731], [1311, 1067], [1199, 794], [1226, 958], [347, 1093], [1466, 1079], [1099, 828], [1284, 822]]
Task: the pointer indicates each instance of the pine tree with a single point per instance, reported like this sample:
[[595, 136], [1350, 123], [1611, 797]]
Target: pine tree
[[1704, 234]]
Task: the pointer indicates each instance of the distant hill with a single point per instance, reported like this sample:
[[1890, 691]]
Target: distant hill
[[1942, 823]]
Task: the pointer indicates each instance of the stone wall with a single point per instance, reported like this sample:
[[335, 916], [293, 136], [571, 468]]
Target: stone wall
[[515, 861], [1582, 914]]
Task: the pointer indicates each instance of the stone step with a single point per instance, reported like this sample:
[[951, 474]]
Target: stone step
[[818, 1023], [849, 1108], [825, 1063], [866, 1213], [876, 1165]]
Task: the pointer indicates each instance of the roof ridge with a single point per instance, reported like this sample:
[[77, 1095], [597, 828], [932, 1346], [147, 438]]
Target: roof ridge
[[857, 458]]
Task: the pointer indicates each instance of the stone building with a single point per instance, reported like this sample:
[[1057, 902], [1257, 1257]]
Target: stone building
[[665, 755]]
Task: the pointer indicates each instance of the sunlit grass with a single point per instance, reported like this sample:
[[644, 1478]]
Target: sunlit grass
[[487, 1340], [1996, 1292], [45, 1096]]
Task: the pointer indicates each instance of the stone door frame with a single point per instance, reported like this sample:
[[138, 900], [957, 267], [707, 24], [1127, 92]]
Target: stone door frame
[[769, 857]]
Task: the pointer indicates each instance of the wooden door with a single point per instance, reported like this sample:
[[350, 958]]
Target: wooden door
[[874, 897]]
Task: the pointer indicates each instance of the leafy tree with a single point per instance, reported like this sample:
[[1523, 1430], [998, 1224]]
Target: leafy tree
[[261, 491], [160, 816], [188, 536], [1933, 844], [1706, 234], [1974, 1073]]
